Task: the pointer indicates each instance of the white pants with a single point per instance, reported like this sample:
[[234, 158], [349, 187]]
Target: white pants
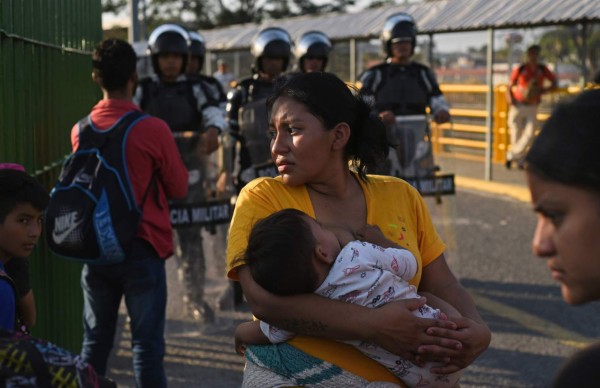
[[521, 125]]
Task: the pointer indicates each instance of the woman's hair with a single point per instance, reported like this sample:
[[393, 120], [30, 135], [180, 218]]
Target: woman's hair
[[333, 102], [280, 253], [16, 187], [567, 149], [114, 60]]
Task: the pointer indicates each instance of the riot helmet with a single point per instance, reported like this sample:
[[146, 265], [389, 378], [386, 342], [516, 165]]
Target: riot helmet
[[197, 52], [397, 28], [169, 38], [197, 46], [313, 44], [272, 42]]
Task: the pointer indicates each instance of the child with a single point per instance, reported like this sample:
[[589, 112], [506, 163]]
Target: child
[[22, 203], [368, 273]]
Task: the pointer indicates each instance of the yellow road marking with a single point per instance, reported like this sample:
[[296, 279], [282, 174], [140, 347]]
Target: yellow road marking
[[532, 322]]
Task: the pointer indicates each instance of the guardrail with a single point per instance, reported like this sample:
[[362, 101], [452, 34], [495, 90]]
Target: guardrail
[[465, 136]]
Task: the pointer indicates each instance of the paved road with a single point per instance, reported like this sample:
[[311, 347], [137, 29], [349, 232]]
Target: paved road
[[533, 329], [488, 239]]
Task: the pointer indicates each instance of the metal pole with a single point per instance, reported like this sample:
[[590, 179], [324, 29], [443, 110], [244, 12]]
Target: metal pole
[[143, 35], [353, 60], [208, 57], [430, 52], [134, 29], [584, 53], [489, 105]]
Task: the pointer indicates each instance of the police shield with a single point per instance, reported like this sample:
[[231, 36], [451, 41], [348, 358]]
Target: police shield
[[254, 129], [411, 154]]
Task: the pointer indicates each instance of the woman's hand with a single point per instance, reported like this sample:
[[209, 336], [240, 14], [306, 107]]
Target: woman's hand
[[397, 330], [209, 141], [471, 331], [475, 338]]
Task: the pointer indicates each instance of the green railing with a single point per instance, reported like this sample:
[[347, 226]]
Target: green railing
[[45, 87]]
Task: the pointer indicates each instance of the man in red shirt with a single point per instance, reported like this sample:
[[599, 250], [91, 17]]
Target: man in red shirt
[[524, 94], [151, 154]]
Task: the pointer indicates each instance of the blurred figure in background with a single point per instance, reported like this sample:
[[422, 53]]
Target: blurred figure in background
[[524, 95], [224, 76]]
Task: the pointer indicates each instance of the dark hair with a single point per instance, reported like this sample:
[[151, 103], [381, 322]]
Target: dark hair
[[115, 62], [18, 187], [566, 150], [280, 251], [534, 47], [580, 370], [333, 102]]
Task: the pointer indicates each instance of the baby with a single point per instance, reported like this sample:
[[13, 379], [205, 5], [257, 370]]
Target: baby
[[291, 253]]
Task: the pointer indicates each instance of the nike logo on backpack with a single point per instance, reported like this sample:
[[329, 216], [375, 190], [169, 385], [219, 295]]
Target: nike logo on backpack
[[64, 225]]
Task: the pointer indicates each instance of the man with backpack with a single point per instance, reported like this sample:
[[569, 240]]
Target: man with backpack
[[155, 173], [524, 94]]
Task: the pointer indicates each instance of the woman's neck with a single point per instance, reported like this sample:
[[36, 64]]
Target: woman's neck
[[336, 185], [339, 203]]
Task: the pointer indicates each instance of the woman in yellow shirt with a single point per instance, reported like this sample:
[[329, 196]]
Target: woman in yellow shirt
[[323, 137]]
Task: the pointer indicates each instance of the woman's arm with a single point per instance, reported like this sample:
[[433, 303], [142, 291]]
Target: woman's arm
[[471, 331], [392, 326]]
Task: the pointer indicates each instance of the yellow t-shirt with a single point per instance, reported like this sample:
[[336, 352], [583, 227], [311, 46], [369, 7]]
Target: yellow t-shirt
[[392, 204]]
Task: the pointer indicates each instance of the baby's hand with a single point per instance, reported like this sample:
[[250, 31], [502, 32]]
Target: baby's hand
[[374, 235]]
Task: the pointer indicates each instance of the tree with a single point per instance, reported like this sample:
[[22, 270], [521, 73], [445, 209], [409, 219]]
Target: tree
[[564, 44], [207, 14]]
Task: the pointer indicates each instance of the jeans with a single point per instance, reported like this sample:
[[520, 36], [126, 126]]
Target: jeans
[[141, 278], [521, 125]]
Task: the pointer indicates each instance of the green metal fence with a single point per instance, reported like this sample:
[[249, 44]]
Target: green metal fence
[[45, 87]]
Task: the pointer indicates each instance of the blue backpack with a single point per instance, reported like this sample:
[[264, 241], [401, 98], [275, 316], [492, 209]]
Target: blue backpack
[[92, 216]]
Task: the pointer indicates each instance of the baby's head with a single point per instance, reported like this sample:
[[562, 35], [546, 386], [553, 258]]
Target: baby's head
[[22, 202], [288, 252]]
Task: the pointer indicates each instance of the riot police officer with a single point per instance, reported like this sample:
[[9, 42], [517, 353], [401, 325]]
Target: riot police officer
[[193, 70], [196, 53], [402, 90], [246, 108], [191, 110], [246, 145], [312, 51], [214, 236]]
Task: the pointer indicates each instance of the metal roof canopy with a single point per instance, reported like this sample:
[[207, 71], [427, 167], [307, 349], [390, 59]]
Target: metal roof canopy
[[431, 17]]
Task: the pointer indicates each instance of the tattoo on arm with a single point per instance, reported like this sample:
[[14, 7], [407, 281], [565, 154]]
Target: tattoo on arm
[[303, 326]]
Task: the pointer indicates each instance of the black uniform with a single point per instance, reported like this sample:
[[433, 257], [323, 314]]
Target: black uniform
[[188, 106], [407, 91]]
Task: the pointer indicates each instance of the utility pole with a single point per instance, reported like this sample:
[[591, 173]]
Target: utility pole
[[133, 34]]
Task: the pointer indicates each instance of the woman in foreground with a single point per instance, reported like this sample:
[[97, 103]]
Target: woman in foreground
[[323, 137]]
